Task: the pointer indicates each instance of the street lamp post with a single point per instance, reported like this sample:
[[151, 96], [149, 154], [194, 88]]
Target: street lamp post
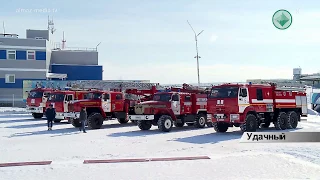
[[196, 39]]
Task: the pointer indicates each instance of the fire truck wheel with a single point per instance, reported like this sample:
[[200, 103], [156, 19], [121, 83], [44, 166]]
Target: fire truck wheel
[[165, 123], [37, 115], [250, 124], [292, 120], [123, 120], [281, 121], [220, 127], [57, 120], [190, 124], [178, 124], [95, 121], [200, 121], [75, 123], [144, 125]]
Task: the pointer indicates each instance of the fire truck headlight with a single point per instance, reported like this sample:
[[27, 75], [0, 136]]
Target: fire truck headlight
[[234, 117]]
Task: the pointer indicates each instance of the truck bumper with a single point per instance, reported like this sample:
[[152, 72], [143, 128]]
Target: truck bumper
[[141, 117], [33, 109], [74, 115], [59, 115], [227, 118]]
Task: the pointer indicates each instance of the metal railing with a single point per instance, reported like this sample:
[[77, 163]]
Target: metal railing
[[58, 46], [12, 100]]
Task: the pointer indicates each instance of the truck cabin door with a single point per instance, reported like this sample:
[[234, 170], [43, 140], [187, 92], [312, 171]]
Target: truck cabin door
[[119, 103], [106, 102], [175, 104], [243, 99], [187, 105], [68, 98]]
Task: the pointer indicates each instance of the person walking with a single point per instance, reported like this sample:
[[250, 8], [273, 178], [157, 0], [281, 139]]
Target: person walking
[[50, 114], [83, 119]]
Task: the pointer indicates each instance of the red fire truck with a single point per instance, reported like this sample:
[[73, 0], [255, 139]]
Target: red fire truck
[[178, 106], [106, 105], [36, 101], [61, 98], [250, 105]]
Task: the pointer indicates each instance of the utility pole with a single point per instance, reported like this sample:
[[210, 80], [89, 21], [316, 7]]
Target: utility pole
[[196, 39]]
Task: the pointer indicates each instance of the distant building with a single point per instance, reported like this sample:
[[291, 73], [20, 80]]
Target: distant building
[[35, 58], [298, 79]]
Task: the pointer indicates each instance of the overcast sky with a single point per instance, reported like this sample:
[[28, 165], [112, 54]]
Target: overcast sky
[[149, 39]]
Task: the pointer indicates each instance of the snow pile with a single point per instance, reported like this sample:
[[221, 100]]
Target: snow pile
[[13, 110]]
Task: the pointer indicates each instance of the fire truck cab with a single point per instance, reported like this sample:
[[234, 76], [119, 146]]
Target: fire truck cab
[[60, 100], [100, 105], [36, 101], [178, 106], [250, 105], [106, 105]]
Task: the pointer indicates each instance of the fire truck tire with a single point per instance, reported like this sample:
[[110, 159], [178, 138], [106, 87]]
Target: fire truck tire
[[37, 115], [292, 120], [220, 127], [165, 123], [190, 124], [76, 123], [95, 121], [123, 120], [281, 121], [144, 125], [250, 124], [200, 121], [178, 124], [57, 120]]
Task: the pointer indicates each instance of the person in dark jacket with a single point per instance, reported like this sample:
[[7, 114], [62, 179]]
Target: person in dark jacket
[[83, 119], [50, 114]]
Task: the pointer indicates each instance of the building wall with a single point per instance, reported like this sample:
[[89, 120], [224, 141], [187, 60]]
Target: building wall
[[30, 33], [17, 43], [78, 72], [10, 97], [21, 67], [74, 57]]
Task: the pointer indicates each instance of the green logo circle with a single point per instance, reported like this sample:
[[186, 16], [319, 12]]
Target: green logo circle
[[282, 19]]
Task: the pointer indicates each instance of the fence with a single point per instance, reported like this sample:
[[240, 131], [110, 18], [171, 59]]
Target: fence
[[12, 100]]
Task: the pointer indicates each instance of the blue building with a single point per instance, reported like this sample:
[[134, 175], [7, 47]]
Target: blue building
[[36, 58]]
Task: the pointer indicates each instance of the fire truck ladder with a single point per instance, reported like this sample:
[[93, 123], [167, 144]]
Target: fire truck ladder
[[290, 88]]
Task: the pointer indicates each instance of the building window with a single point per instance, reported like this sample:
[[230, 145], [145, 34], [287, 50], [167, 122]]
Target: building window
[[10, 78], [31, 55], [11, 54]]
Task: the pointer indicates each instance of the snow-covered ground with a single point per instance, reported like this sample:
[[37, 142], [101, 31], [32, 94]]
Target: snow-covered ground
[[25, 139]]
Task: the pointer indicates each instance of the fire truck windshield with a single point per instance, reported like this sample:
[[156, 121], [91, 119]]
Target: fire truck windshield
[[93, 96], [56, 97], [162, 97], [224, 92], [35, 94]]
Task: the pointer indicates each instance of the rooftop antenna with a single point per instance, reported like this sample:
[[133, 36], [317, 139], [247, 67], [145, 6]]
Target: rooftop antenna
[[51, 25], [97, 46], [4, 29], [63, 41]]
